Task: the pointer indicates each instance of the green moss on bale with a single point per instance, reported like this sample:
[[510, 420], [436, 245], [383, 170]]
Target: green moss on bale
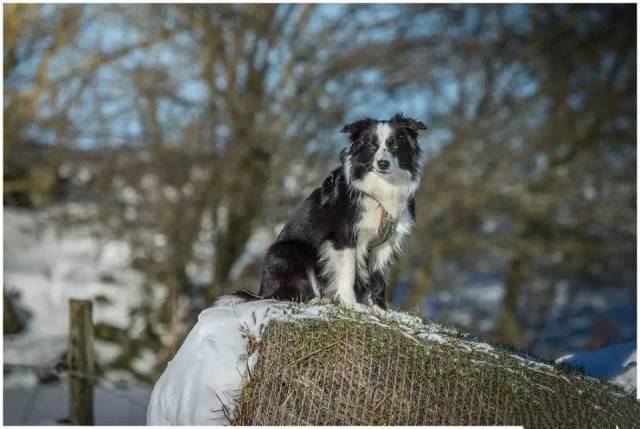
[[349, 371]]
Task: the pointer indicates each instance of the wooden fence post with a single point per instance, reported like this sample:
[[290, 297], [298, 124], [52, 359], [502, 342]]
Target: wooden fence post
[[12, 324], [81, 362]]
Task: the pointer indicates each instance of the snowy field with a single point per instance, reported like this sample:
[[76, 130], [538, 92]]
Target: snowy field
[[43, 268], [48, 405]]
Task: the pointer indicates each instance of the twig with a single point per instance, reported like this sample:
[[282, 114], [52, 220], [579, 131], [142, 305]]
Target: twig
[[286, 399], [225, 409], [381, 402], [545, 388]]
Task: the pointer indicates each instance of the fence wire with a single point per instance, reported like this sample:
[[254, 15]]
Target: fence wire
[[61, 371]]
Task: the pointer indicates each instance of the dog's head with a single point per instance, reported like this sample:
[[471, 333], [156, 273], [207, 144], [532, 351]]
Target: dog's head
[[383, 153]]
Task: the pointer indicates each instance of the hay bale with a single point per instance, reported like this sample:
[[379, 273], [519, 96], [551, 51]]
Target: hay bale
[[341, 372]]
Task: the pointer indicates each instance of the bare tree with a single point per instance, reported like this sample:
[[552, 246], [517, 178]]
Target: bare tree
[[201, 124], [540, 118]]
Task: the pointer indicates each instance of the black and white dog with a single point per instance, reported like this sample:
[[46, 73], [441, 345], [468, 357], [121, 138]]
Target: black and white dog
[[340, 242]]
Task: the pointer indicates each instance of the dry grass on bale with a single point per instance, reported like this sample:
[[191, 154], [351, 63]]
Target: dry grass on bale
[[343, 372]]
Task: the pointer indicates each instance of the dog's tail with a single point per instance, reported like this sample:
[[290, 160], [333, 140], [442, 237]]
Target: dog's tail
[[235, 297]]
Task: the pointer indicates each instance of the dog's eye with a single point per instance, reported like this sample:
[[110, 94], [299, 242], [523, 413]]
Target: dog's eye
[[393, 145], [373, 145], [357, 146]]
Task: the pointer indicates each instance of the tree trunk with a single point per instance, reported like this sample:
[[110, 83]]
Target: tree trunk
[[251, 166], [422, 284], [508, 328]]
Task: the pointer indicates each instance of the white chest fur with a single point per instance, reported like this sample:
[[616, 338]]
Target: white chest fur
[[369, 222], [367, 228]]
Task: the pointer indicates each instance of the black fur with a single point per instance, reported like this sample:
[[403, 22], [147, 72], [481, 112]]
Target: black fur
[[330, 215], [363, 144], [325, 215]]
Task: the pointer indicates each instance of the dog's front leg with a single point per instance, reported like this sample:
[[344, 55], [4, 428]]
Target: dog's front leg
[[341, 267], [346, 277]]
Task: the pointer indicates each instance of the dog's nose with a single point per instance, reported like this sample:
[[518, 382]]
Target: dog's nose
[[383, 165]]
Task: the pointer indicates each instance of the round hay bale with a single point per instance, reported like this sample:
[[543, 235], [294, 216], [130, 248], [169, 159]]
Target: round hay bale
[[342, 372]]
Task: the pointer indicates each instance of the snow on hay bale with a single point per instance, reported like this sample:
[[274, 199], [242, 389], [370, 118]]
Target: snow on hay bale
[[268, 363], [350, 372]]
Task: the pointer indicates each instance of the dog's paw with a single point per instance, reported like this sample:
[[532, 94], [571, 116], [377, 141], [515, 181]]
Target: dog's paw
[[355, 306], [320, 300], [379, 311]]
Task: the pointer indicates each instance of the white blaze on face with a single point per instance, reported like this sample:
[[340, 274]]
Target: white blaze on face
[[383, 132]]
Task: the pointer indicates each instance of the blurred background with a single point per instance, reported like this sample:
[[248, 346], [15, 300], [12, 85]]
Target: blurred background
[[153, 152]]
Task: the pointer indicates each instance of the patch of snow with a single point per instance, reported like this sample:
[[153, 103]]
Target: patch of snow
[[149, 182], [129, 195], [485, 294], [473, 306], [461, 318], [432, 337], [616, 364], [255, 248], [144, 361], [628, 378], [171, 194], [486, 348], [49, 404], [119, 377], [19, 379], [106, 351], [44, 268]]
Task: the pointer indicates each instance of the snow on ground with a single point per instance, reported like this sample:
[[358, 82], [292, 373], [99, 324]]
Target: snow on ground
[[43, 268], [48, 405], [616, 364]]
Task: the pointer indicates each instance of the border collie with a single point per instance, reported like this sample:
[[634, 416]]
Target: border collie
[[340, 243]]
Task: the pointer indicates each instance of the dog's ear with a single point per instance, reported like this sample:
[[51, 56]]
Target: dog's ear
[[355, 127], [404, 122]]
